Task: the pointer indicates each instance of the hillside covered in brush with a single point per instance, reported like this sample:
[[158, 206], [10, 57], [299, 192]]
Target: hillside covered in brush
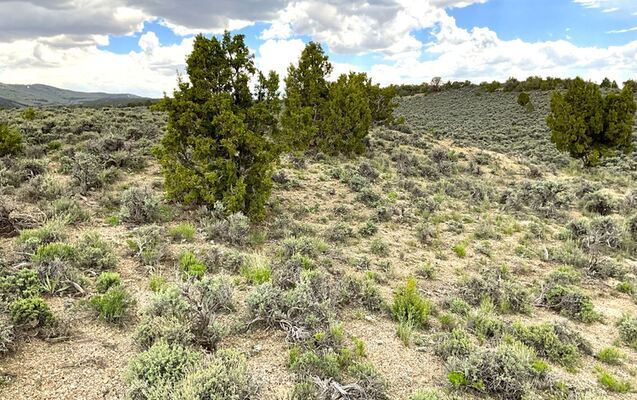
[[460, 256]]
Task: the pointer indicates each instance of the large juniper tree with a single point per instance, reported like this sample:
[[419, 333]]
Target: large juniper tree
[[590, 126], [218, 142]]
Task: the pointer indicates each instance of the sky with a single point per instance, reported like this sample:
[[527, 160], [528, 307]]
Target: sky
[[139, 46]]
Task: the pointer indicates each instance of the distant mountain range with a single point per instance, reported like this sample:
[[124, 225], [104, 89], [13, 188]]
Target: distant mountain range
[[42, 95]]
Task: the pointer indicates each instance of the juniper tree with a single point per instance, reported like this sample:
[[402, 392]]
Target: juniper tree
[[346, 115], [333, 117], [306, 90], [10, 140], [590, 126], [218, 143]]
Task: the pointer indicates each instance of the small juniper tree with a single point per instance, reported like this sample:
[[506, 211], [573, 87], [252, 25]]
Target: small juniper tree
[[524, 99], [10, 140], [218, 145], [590, 126]]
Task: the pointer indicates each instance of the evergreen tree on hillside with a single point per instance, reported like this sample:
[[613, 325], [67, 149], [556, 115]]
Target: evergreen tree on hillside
[[590, 126], [218, 142], [306, 91], [333, 117]]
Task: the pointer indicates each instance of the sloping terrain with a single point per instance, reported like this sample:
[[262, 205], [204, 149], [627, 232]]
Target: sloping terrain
[[518, 266], [44, 95]]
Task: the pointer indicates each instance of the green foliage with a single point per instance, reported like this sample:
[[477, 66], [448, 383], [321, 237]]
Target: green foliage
[[20, 284], [31, 312], [611, 383], [183, 232], [94, 254], [155, 373], [610, 355], [107, 280], [52, 252], [112, 305], [524, 99], [590, 126], [346, 117], [29, 114], [306, 90], [10, 140], [191, 265], [217, 145], [224, 377], [311, 363], [331, 117], [627, 326], [409, 306], [509, 371], [453, 344], [497, 285], [256, 270], [568, 300], [554, 342]]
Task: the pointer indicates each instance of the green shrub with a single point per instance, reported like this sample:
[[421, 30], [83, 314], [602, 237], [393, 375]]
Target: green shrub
[[94, 254], [554, 342], [339, 232], [427, 271], [306, 364], [460, 250], [453, 344], [524, 99], [169, 329], [31, 312], [224, 377], [107, 280], [183, 232], [409, 306], [10, 140], [496, 284], [67, 210], [112, 305], [191, 264], [610, 355], [256, 270], [569, 301], [31, 239], [54, 252], [509, 371], [216, 146], [627, 326], [20, 284], [139, 205], [155, 373], [612, 383]]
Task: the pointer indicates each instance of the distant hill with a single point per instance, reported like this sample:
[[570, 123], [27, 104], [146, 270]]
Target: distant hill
[[42, 95]]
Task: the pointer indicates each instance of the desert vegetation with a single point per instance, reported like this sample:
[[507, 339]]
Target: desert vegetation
[[328, 242]]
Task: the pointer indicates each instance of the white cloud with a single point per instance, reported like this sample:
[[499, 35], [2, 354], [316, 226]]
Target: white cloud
[[479, 55], [634, 28], [149, 72], [56, 42]]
